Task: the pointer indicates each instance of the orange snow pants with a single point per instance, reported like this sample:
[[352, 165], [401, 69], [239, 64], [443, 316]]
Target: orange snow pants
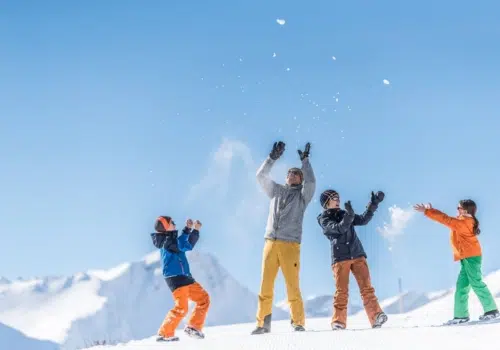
[[182, 295], [341, 271]]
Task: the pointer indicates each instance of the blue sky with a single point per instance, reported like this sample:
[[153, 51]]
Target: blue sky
[[113, 113]]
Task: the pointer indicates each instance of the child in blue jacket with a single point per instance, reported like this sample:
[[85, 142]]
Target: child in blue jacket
[[177, 274]]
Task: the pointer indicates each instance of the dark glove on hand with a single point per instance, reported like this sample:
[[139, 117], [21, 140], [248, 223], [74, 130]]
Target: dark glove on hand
[[278, 149], [348, 208], [305, 154], [377, 198]]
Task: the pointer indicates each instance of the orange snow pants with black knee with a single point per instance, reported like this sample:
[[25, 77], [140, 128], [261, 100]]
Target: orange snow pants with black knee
[[182, 295], [341, 271]]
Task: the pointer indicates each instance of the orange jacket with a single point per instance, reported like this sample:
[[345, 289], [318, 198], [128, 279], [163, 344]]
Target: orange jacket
[[462, 238]]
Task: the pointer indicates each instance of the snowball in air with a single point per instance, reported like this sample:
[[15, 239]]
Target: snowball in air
[[334, 58], [386, 82], [280, 21]]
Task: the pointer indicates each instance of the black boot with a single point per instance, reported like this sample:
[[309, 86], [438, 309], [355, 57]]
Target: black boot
[[266, 328], [296, 327], [490, 315]]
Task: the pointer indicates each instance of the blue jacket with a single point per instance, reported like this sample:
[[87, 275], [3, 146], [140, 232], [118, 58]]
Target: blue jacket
[[173, 250]]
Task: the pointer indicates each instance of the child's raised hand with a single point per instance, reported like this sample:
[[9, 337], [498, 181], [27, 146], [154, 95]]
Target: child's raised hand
[[189, 223], [421, 207], [197, 225]]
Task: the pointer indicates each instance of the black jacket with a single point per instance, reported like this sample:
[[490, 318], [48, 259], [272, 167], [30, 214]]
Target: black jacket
[[338, 227]]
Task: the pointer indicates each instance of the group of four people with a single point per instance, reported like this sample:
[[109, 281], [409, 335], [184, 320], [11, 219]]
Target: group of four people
[[283, 237]]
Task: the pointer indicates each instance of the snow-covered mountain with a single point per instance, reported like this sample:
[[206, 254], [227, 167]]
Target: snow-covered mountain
[[13, 339], [123, 303]]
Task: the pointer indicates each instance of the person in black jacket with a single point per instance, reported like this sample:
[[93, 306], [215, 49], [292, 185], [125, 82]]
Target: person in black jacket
[[348, 255]]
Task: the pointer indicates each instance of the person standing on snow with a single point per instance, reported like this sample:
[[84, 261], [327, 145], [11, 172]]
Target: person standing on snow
[[177, 274], [283, 235], [349, 256], [464, 229]]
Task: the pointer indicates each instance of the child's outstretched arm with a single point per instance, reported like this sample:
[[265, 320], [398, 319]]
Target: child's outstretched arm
[[189, 237], [437, 215], [441, 217]]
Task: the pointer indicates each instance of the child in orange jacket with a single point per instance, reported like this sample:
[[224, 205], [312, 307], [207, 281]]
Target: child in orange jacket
[[466, 249], [178, 276]]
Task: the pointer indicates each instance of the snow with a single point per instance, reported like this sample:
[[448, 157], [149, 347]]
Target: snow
[[126, 302], [386, 82], [399, 220], [418, 328], [12, 339], [107, 275], [396, 335], [281, 22], [125, 305]]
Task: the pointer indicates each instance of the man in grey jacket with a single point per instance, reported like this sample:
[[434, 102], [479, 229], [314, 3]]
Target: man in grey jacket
[[283, 235]]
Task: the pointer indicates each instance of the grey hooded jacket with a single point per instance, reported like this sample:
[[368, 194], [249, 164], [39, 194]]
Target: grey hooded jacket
[[288, 203]]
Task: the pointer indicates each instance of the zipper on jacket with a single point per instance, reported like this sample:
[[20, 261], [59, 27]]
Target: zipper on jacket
[[182, 267]]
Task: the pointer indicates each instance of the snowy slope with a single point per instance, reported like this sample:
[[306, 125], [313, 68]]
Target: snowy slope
[[411, 330], [12, 339], [123, 303], [398, 334]]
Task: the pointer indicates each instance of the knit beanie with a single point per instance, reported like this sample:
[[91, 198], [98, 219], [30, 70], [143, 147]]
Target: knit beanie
[[326, 196], [159, 224]]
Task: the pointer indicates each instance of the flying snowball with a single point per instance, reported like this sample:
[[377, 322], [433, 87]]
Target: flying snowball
[[334, 58], [281, 22], [274, 54], [386, 82]]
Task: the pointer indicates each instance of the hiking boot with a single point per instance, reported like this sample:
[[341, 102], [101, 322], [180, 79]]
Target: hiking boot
[[337, 326], [380, 320], [260, 330], [266, 328], [490, 315], [194, 333], [297, 327], [457, 320], [165, 339]]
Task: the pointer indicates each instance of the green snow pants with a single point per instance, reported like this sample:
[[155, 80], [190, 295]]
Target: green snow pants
[[471, 276]]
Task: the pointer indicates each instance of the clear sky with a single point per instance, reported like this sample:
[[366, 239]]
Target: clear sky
[[115, 112]]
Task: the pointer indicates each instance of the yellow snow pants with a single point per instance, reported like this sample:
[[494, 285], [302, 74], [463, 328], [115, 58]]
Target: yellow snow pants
[[284, 255]]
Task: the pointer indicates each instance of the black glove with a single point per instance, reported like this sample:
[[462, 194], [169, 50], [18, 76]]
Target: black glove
[[278, 149], [377, 198], [304, 154], [348, 208]]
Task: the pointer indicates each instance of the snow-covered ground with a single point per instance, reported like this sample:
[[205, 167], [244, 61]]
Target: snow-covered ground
[[415, 329], [398, 334], [12, 339], [123, 303], [127, 303]]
